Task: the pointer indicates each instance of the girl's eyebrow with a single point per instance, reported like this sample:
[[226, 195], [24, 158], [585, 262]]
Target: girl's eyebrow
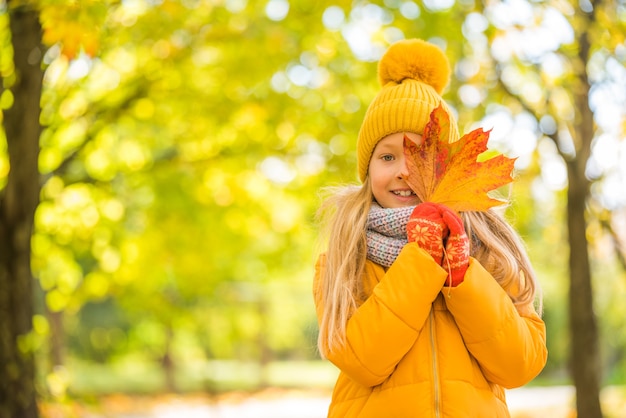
[[386, 146]]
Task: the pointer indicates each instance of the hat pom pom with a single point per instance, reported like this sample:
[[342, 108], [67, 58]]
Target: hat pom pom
[[417, 60]]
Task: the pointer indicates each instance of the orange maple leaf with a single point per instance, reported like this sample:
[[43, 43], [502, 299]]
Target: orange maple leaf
[[450, 173]]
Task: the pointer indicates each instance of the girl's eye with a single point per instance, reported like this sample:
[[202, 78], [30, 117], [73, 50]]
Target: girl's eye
[[387, 157]]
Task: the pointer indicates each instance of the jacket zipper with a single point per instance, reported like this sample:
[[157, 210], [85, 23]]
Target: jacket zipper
[[435, 368]]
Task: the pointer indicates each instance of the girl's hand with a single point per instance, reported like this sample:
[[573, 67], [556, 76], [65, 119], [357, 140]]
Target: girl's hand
[[428, 229], [457, 248]]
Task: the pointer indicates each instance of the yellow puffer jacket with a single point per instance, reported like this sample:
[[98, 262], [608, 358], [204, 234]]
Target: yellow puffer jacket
[[415, 350]]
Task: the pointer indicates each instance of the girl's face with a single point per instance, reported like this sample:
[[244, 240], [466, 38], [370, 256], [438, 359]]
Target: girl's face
[[388, 171]]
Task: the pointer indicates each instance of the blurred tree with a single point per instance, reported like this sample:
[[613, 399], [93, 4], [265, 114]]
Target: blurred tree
[[554, 83], [18, 200]]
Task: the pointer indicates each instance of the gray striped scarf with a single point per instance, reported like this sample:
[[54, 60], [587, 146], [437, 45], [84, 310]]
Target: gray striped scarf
[[386, 233]]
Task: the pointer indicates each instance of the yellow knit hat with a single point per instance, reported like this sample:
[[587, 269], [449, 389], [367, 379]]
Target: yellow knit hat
[[412, 74]]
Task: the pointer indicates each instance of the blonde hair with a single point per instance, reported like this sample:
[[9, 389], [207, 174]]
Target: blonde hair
[[343, 215]]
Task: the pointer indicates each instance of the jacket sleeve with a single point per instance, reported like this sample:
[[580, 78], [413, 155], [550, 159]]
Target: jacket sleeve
[[383, 329], [510, 346]]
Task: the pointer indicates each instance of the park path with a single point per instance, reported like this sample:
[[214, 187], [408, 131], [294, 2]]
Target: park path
[[555, 402]]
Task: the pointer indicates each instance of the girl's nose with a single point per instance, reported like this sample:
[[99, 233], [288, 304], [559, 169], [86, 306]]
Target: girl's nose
[[403, 171]]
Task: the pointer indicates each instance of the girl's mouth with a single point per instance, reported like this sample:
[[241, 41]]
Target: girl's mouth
[[403, 193]]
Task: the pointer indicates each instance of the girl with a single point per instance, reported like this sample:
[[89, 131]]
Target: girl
[[426, 313]]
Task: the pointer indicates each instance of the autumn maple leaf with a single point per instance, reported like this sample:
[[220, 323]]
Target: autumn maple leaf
[[450, 173]]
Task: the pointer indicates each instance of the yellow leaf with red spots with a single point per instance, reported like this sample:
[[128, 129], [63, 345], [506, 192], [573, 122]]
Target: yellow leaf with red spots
[[451, 173]]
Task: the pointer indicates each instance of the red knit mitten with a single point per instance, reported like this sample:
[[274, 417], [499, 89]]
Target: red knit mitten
[[457, 248], [427, 228]]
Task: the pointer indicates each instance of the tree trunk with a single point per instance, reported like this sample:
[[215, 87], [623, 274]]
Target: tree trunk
[[585, 354], [18, 202], [167, 362], [57, 343], [266, 354]]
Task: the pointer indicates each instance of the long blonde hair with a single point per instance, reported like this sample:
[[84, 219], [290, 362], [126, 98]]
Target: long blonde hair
[[343, 215]]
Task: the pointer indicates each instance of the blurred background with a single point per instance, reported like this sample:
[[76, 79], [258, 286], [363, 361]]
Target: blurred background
[[182, 151]]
